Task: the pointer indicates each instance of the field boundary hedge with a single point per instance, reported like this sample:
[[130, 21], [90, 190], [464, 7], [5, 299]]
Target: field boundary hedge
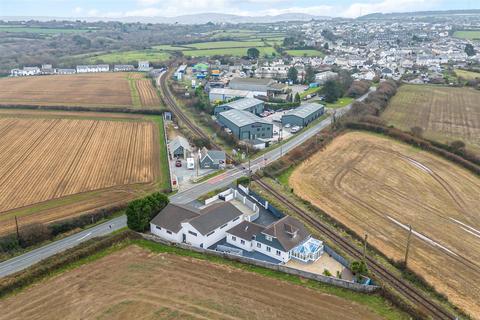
[[87, 109], [21, 279], [9, 243], [416, 142]]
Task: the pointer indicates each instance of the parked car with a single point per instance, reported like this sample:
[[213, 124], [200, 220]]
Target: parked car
[[288, 125], [178, 163], [295, 129]]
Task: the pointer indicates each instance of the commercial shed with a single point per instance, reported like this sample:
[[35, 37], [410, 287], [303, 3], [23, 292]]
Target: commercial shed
[[246, 125], [252, 105], [303, 115]]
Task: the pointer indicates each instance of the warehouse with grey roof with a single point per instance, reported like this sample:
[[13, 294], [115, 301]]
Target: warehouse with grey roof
[[252, 105], [245, 125], [303, 115]]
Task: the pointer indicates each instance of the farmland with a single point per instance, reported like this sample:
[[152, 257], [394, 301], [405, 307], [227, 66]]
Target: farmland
[[98, 90], [468, 75], [38, 30], [306, 53], [146, 284], [58, 165], [378, 186], [445, 114], [467, 34]]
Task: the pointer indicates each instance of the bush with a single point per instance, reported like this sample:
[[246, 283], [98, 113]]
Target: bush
[[34, 233], [9, 244], [141, 211], [244, 181], [359, 268]]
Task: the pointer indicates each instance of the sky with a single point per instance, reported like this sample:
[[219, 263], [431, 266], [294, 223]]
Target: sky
[[171, 8]]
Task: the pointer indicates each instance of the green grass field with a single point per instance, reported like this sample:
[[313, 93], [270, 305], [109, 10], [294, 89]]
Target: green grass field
[[17, 29], [468, 75], [306, 53], [226, 44], [130, 56], [469, 35], [309, 91], [168, 47], [239, 52], [340, 103]]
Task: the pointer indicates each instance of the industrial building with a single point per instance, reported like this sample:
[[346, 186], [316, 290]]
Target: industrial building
[[245, 125], [252, 105], [225, 94], [303, 115]]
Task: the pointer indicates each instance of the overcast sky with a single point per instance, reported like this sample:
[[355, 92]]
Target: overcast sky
[[169, 8]]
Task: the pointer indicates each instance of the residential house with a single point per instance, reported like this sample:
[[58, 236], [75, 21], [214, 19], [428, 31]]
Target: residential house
[[144, 66], [66, 71], [93, 68], [212, 159], [123, 67]]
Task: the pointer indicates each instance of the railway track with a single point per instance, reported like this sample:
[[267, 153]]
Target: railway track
[[412, 294], [172, 105], [424, 303]]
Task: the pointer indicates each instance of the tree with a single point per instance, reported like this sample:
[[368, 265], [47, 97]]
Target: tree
[[332, 91], [457, 145], [309, 74], [253, 53], [141, 211], [470, 50], [325, 46], [359, 267], [292, 74], [417, 131], [288, 42], [297, 97]]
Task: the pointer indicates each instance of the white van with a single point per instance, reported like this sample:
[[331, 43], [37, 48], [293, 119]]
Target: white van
[[190, 163]]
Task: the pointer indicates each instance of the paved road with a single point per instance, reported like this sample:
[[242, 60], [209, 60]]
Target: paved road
[[23, 261]]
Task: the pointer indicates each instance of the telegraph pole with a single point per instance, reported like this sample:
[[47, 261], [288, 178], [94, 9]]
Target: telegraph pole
[[365, 249], [408, 244], [16, 224]]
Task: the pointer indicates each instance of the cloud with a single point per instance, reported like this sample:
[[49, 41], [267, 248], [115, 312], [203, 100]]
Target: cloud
[[387, 6], [171, 8]]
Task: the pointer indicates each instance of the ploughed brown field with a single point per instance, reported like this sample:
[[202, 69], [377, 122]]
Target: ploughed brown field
[[445, 114], [134, 283], [51, 167], [378, 186], [148, 94], [110, 89]]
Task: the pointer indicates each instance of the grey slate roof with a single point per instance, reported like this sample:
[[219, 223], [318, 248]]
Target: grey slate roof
[[242, 104], [179, 142], [173, 215], [288, 231], [242, 118], [246, 230], [305, 110], [214, 216]]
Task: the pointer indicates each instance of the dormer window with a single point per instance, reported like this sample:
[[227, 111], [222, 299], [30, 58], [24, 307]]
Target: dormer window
[[269, 238]]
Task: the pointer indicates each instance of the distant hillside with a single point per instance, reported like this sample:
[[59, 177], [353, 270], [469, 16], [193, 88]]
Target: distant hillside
[[184, 19], [395, 15]]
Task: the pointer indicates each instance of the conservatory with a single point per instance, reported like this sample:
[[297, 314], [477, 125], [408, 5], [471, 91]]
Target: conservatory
[[308, 251]]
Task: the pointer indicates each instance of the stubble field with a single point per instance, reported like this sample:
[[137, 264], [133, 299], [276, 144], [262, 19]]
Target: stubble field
[[101, 90], [146, 285], [445, 114], [78, 162], [378, 186]]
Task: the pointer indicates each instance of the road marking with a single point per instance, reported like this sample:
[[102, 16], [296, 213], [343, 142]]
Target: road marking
[[472, 229], [421, 236], [87, 235]]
